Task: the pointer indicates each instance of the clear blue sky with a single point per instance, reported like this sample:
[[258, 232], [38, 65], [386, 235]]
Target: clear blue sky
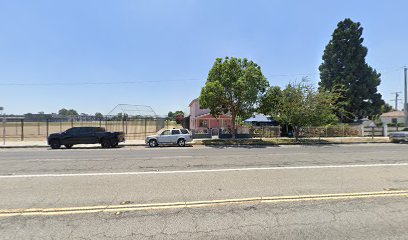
[[158, 53]]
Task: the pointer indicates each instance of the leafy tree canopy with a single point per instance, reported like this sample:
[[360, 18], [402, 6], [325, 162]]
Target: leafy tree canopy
[[233, 86], [67, 113], [173, 115], [300, 105], [99, 116], [344, 65], [386, 108]]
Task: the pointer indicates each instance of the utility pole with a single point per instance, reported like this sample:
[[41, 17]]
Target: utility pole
[[397, 99], [406, 97]]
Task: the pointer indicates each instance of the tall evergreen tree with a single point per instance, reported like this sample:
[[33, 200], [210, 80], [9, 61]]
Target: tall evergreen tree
[[344, 66]]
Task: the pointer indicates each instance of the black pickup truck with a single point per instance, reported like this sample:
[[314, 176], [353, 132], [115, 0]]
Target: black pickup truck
[[85, 135]]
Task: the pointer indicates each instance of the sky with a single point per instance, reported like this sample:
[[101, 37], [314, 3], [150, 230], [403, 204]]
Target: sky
[[92, 55]]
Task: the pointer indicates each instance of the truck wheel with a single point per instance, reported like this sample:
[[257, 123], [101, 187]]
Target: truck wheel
[[114, 143], [152, 143], [181, 143], [68, 146], [105, 143], [55, 144]]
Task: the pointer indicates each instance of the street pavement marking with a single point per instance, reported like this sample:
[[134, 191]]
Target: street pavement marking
[[195, 204], [202, 170]]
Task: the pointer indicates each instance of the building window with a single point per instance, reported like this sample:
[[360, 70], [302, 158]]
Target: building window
[[203, 123]]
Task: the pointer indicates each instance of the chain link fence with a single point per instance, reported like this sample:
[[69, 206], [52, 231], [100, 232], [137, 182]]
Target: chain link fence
[[134, 129]]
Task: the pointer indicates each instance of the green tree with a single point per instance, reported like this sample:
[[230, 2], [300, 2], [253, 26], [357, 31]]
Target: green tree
[[173, 115], [98, 116], [63, 112], [386, 108], [344, 65], [233, 86], [170, 115], [67, 113], [300, 105], [72, 112]]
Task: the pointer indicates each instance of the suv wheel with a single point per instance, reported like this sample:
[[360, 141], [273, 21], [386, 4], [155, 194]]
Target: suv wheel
[[114, 143], [55, 144], [181, 142], [105, 143], [152, 143]]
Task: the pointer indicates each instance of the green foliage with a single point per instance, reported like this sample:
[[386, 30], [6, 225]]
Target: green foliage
[[233, 86], [177, 114], [344, 65], [386, 108], [395, 124], [300, 105], [99, 116], [67, 113]]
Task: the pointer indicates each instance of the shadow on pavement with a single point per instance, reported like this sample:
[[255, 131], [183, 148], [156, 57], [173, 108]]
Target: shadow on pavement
[[79, 147]]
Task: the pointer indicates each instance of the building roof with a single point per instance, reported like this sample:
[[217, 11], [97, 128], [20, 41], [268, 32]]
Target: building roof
[[208, 115], [259, 118], [194, 100], [394, 114]]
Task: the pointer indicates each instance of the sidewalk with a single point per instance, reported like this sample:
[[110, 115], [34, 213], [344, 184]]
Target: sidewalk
[[43, 144]]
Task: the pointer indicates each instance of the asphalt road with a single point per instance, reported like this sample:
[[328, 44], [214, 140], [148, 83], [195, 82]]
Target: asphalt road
[[99, 193]]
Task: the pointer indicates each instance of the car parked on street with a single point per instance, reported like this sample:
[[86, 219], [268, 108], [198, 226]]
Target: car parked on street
[[85, 135], [170, 137], [400, 136]]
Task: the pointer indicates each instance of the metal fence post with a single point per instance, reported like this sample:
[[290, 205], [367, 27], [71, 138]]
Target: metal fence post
[[72, 122], [47, 125], [38, 129], [126, 127], [145, 128], [22, 129], [123, 125], [4, 130]]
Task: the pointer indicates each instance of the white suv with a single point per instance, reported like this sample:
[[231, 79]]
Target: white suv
[[170, 136]]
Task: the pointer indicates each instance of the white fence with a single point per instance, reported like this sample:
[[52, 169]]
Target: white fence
[[383, 131]]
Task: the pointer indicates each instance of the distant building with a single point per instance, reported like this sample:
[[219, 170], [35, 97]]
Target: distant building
[[202, 119], [393, 117]]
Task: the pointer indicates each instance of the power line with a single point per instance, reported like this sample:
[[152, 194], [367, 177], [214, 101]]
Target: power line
[[155, 81], [95, 83]]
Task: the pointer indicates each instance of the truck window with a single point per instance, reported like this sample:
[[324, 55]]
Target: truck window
[[72, 131], [99, 129], [86, 130]]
